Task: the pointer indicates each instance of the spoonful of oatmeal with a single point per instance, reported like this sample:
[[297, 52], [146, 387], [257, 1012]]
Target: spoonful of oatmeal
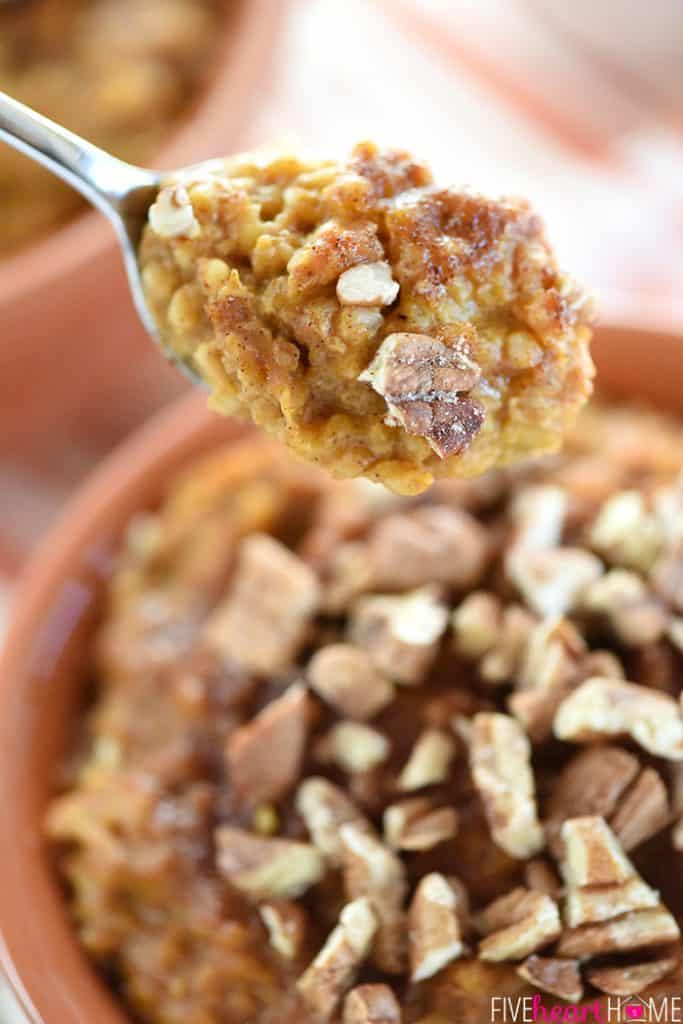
[[378, 324]]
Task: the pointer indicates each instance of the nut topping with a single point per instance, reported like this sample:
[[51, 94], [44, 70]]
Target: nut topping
[[477, 624], [367, 284], [601, 881], [401, 634], [630, 979], [345, 677], [286, 924], [518, 924], [372, 870], [333, 971], [625, 534], [415, 824], [371, 1004], [500, 762], [435, 938], [609, 707], [538, 514], [421, 380], [552, 581], [324, 809], [636, 617], [265, 618], [267, 868], [171, 214], [354, 747], [429, 761], [264, 756], [637, 930], [561, 978]]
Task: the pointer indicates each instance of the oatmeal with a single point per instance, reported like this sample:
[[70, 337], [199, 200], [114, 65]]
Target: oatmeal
[[301, 797], [118, 72], [378, 324]]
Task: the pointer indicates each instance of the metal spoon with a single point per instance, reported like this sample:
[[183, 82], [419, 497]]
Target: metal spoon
[[121, 191]]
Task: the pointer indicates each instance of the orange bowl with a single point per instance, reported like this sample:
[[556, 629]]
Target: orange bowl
[[75, 362], [41, 673]]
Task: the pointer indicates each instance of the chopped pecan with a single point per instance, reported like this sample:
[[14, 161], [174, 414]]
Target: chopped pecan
[[538, 514], [354, 747], [552, 581], [609, 707], [264, 756], [643, 812], [345, 677], [477, 624], [265, 618], [634, 614], [332, 973], [415, 824], [630, 979], [267, 868], [429, 761], [561, 978], [502, 663], [371, 1004], [518, 924], [422, 381], [367, 284], [500, 762], [435, 937], [667, 575], [592, 783], [401, 634], [547, 674], [437, 544], [286, 924], [372, 870], [324, 808], [626, 534], [601, 881], [637, 930], [171, 214]]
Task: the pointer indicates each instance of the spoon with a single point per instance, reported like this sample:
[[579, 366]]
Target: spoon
[[119, 190]]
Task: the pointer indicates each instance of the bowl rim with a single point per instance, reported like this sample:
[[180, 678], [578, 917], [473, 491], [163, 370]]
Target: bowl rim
[[248, 39], [42, 960]]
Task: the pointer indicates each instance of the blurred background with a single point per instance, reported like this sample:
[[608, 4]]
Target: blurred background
[[577, 106]]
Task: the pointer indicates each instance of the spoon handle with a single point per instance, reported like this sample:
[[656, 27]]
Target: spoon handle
[[105, 181]]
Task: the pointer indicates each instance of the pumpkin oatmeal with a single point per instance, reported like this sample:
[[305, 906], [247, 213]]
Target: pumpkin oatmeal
[[378, 324], [359, 759], [118, 72]]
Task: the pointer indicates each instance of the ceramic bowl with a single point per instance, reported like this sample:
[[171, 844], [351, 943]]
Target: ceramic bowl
[[41, 673]]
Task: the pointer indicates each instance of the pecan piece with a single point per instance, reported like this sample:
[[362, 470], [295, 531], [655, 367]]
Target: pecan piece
[[502, 663], [265, 618], [601, 881], [643, 812], [371, 1004], [264, 756], [559, 977], [630, 979], [354, 747], [518, 924], [372, 870], [367, 284], [267, 868], [625, 534], [542, 877], [171, 214], [345, 677], [324, 808], [435, 937], [609, 707], [332, 973], [422, 381], [637, 930], [416, 824], [500, 762], [547, 674], [401, 634], [634, 614], [286, 924], [429, 761], [538, 514], [477, 624], [552, 581]]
